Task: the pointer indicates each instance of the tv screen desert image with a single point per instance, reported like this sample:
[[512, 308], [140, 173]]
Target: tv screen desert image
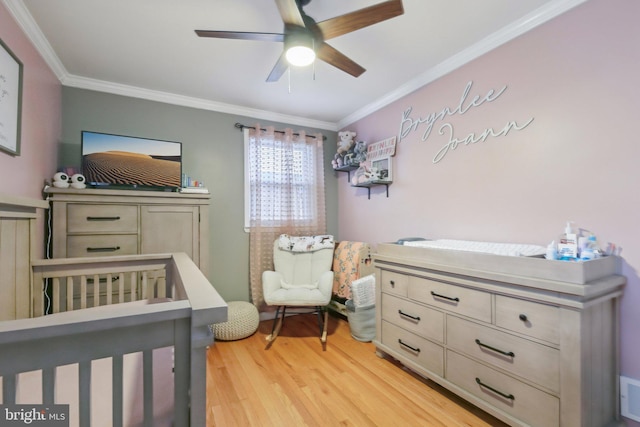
[[122, 160]]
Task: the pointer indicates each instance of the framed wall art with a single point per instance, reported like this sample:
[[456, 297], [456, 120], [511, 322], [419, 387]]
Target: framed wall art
[[382, 169], [10, 101]]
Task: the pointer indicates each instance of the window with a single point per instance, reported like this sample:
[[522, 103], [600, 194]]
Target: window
[[284, 180]]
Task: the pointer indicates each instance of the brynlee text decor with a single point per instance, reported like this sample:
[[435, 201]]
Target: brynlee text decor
[[410, 124], [10, 100]]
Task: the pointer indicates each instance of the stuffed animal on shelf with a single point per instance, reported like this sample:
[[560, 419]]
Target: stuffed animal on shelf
[[360, 152], [345, 147], [61, 180], [78, 181]]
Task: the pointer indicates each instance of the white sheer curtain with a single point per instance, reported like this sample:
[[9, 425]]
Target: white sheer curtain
[[286, 174]]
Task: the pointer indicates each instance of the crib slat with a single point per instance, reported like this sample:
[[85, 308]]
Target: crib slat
[[144, 292], [162, 286], [120, 288], [56, 295], [133, 287], [83, 291], [109, 289], [48, 386], [147, 375], [182, 372], [84, 393], [69, 293], [117, 364], [96, 290], [9, 390]]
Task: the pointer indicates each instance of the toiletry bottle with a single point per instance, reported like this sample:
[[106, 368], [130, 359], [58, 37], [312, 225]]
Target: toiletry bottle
[[552, 252], [593, 246], [568, 246]]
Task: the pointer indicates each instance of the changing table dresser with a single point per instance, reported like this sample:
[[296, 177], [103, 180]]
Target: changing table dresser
[[528, 340]]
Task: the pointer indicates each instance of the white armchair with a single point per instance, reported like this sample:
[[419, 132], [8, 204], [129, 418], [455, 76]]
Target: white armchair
[[302, 278]]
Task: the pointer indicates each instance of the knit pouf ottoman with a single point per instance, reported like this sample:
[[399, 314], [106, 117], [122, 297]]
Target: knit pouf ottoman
[[243, 320]]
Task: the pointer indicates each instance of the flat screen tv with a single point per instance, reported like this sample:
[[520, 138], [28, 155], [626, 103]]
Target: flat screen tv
[[130, 162]]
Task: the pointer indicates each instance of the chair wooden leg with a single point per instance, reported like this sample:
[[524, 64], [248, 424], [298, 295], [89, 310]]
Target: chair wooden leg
[[277, 325], [324, 326]]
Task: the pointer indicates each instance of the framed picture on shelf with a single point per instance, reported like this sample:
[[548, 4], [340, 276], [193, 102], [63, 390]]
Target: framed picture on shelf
[[382, 170], [10, 100]]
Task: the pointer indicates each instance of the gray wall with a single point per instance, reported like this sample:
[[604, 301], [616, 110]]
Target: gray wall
[[212, 151]]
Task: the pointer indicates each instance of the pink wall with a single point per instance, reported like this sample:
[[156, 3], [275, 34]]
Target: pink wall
[[24, 175], [577, 77]]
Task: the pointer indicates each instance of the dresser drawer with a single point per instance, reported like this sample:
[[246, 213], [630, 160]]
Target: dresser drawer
[[102, 218], [536, 362], [413, 317], [414, 348], [520, 400], [102, 245], [529, 318], [394, 283], [456, 299], [524, 402]]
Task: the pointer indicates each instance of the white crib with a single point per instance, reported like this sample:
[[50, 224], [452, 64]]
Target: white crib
[[124, 330]]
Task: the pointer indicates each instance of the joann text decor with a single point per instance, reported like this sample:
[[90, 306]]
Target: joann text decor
[[409, 124], [10, 100]]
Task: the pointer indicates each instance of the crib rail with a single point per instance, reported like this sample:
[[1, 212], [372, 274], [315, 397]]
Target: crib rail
[[178, 304], [76, 283]]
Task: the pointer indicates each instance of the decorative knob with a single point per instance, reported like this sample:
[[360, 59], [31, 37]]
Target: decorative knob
[[393, 284], [523, 317]]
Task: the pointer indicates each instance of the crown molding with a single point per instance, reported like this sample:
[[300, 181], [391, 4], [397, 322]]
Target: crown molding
[[28, 25], [187, 101], [528, 22], [25, 21], [541, 15]]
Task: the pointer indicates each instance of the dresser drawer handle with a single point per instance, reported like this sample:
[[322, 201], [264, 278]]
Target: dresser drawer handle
[[392, 283], [417, 350], [103, 218], [506, 396], [509, 353], [456, 299], [108, 249], [417, 318], [523, 317]]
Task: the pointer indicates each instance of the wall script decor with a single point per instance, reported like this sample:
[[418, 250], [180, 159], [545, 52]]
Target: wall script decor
[[409, 124], [10, 100]]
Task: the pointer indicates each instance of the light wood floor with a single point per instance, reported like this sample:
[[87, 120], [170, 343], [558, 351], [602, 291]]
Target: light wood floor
[[295, 383]]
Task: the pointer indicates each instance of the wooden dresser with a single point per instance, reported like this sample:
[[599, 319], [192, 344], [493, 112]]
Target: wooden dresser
[[99, 222], [530, 341]]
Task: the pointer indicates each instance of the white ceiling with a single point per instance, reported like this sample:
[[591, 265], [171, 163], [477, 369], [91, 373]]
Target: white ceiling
[[148, 49]]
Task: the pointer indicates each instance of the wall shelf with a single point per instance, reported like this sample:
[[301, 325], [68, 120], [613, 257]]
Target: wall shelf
[[347, 169], [370, 184]]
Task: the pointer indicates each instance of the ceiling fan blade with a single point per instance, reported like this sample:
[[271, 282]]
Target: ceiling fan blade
[[290, 13], [349, 22], [278, 69], [240, 35], [333, 57]]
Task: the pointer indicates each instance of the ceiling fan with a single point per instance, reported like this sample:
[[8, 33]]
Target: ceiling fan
[[303, 32]]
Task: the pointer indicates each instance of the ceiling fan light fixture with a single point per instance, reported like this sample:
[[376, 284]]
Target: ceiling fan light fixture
[[300, 49], [300, 56]]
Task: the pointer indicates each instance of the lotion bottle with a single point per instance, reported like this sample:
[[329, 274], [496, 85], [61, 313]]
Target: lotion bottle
[[552, 252], [568, 246]]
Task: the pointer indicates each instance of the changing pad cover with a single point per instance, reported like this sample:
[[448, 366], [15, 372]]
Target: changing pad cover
[[509, 249]]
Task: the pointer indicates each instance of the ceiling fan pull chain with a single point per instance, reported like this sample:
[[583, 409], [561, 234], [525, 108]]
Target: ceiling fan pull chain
[[289, 76]]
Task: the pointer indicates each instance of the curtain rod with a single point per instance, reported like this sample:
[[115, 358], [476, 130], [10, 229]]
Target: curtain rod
[[241, 126]]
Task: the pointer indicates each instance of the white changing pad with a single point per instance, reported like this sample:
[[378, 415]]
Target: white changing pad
[[510, 249]]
